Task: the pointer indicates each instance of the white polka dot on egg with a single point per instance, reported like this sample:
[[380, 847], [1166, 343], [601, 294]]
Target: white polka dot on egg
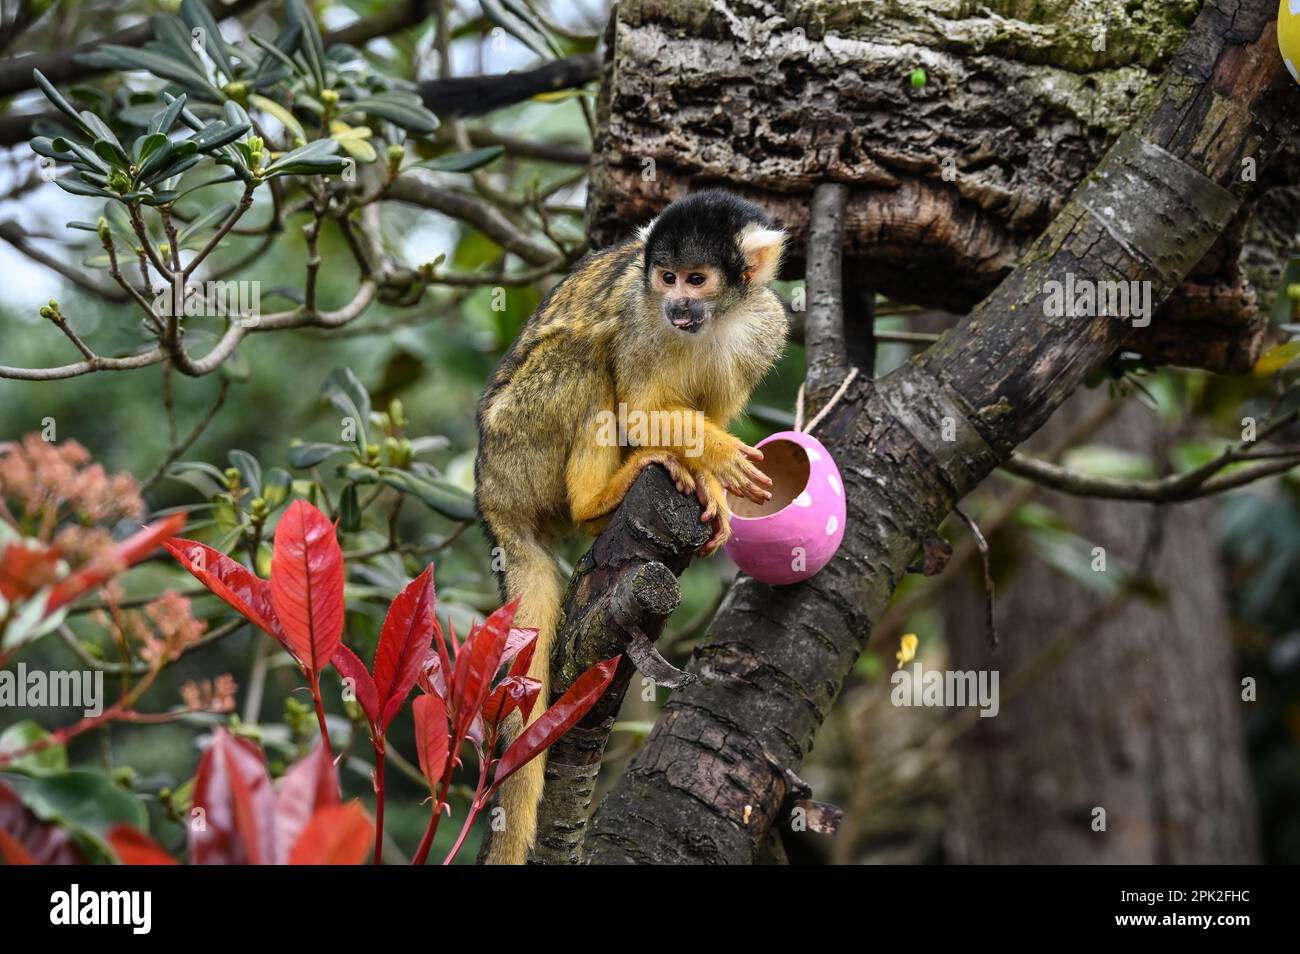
[[835, 484], [832, 523], [803, 500], [812, 454]]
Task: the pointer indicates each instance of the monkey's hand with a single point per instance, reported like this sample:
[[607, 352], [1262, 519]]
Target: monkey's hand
[[738, 475], [726, 467]]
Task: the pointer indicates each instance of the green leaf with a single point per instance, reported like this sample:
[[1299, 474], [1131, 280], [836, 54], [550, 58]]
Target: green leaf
[[86, 803], [172, 38], [451, 501], [307, 167], [80, 188], [112, 153], [318, 150], [44, 146], [166, 118], [82, 153], [200, 475], [196, 14], [463, 161], [349, 509], [309, 454], [313, 49], [276, 53], [249, 470], [114, 57], [147, 145], [55, 97], [520, 23], [350, 398], [210, 138], [404, 111], [275, 486], [52, 760]]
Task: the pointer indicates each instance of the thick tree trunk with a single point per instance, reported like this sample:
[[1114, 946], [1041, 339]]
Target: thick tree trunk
[[711, 780], [1130, 705]]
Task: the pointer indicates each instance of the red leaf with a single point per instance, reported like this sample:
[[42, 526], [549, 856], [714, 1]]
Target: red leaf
[[476, 664], [229, 580], [134, 847], [350, 666], [307, 584], [309, 785], [12, 852], [520, 646], [431, 742], [513, 692], [556, 720], [432, 677], [336, 835], [233, 790], [404, 644], [127, 553]]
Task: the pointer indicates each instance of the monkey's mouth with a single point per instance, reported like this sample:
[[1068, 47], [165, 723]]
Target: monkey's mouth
[[688, 323]]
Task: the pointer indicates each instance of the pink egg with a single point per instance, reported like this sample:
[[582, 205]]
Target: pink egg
[[796, 533]]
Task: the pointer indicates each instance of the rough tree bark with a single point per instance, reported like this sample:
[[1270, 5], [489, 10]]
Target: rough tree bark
[[1129, 705], [712, 777], [951, 181]]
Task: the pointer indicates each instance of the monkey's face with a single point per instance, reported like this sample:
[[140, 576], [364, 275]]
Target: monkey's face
[[689, 294]]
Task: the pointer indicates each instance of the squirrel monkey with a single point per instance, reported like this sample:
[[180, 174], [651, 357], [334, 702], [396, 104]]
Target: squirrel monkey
[[675, 325]]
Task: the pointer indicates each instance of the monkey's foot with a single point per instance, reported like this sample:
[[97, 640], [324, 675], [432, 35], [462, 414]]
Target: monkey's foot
[[710, 493]]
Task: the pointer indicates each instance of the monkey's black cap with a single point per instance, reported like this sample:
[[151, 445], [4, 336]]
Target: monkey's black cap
[[700, 229]]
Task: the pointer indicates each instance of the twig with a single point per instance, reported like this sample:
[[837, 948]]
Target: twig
[[827, 357], [180, 448], [987, 564]]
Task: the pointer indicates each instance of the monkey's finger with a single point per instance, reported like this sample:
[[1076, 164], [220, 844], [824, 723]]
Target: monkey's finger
[[756, 475], [753, 453]]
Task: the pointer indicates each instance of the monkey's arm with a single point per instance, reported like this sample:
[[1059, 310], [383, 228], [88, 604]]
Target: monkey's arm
[[718, 464]]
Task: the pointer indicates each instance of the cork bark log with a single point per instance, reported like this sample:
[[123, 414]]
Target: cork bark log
[[711, 779], [951, 181]]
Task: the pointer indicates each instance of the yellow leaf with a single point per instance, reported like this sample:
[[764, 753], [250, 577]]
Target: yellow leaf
[[1275, 359], [907, 649], [281, 115]]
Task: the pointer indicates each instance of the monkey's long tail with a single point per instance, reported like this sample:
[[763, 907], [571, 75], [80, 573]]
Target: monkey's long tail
[[532, 574]]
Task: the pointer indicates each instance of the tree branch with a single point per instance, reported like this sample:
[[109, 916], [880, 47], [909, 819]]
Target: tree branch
[[622, 590]]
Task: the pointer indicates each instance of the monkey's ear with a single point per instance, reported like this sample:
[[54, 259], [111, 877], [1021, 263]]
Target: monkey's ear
[[643, 233], [762, 249]]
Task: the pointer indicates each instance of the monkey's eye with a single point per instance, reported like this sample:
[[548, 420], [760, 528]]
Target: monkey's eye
[[669, 278], [696, 279]]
